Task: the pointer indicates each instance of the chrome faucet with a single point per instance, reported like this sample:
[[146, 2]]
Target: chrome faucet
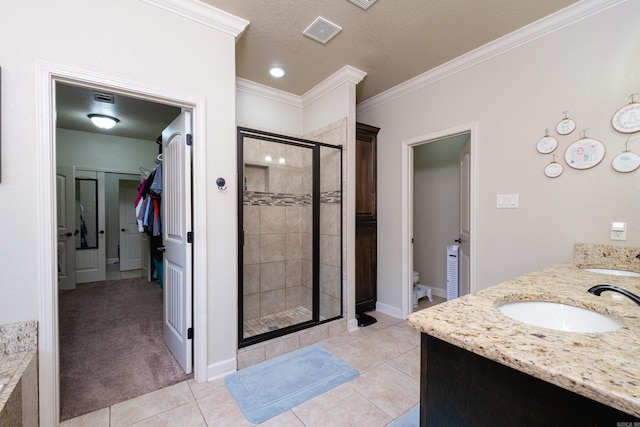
[[598, 289]]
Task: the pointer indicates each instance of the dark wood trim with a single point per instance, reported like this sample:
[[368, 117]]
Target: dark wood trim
[[366, 218]]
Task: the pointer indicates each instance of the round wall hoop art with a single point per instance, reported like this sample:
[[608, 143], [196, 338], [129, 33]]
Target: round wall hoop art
[[626, 161], [627, 118], [584, 153], [553, 170], [546, 144], [566, 126]]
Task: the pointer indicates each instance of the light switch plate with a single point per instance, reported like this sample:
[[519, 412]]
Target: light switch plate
[[507, 201]]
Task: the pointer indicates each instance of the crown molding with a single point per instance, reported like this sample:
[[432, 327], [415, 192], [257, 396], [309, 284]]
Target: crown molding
[[257, 89], [204, 14], [345, 74], [547, 25]]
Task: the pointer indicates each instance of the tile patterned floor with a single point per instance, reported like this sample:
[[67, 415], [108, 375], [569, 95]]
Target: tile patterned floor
[[386, 354]]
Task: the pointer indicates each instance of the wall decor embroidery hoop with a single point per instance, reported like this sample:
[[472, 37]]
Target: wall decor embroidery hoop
[[584, 153], [547, 144], [627, 118], [566, 125], [553, 169], [627, 161]]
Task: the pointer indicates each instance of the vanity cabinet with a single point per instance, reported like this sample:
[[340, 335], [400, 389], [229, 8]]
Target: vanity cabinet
[[461, 388], [366, 218]]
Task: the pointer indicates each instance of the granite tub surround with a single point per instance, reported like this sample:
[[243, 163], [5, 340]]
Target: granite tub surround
[[18, 374], [589, 255], [599, 366]]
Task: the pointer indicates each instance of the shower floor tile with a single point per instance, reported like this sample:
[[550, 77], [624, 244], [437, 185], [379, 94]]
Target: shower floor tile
[[275, 321]]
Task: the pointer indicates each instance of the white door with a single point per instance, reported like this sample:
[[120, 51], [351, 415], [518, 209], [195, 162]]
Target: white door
[[65, 197], [464, 264], [176, 224], [130, 236], [91, 262]]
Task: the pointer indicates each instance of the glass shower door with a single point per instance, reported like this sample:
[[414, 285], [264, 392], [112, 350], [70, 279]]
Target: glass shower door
[[291, 264]]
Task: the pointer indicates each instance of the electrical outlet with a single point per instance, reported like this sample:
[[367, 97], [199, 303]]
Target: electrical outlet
[[618, 231]]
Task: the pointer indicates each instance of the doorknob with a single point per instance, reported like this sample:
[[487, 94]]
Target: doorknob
[[101, 231], [69, 234], [123, 230], [458, 240]]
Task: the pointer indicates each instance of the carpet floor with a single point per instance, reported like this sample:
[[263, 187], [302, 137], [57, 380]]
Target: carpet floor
[[111, 345]]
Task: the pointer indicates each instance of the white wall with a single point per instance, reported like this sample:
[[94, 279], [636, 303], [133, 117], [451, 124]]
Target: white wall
[[104, 152], [267, 109], [589, 68], [147, 45]]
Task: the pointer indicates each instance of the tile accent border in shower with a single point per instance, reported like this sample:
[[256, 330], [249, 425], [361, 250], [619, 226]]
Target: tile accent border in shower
[[261, 198]]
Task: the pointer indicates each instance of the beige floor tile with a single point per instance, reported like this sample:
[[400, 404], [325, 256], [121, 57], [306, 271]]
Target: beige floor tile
[[332, 342], [220, 409], [356, 357], [188, 415], [339, 407], [384, 345], [389, 389], [201, 390], [383, 320], [405, 332], [99, 418], [150, 404], [286, 419], [409, 363]]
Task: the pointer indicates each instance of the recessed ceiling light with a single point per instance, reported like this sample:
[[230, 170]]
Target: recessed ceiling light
[[102, 121], [277, 72]]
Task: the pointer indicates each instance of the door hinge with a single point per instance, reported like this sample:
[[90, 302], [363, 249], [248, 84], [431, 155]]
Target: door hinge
[[190, 237], [189, 139], [190, 333]]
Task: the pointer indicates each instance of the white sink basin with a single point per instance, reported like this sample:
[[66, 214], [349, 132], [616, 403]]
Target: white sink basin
[[611, 272], [561, 317]]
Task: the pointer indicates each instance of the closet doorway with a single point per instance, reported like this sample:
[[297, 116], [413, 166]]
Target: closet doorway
[[50, 77]]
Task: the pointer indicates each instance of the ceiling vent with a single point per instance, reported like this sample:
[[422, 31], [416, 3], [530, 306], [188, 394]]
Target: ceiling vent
[[322, 30], [103, 97], [365, 4]]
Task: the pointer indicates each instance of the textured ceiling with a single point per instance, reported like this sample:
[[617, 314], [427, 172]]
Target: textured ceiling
[[392, 41]]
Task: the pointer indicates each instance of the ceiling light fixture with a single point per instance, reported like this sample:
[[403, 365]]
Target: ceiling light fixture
[[277, 72], [102, 121]]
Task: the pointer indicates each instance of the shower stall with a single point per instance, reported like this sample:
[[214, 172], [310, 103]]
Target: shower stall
[[290, 234]]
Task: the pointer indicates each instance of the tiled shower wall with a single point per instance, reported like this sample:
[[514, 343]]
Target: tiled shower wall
[[278, 227]]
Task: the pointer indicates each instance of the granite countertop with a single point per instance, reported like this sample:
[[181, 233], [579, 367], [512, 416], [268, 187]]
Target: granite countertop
[[601, 366], [12, 366], [18, 346]]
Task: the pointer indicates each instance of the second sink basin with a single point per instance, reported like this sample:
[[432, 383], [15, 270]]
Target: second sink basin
[[612, 272], [558, 316]]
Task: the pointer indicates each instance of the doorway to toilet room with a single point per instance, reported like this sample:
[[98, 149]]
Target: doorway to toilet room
[[439, 194], [111, 220]]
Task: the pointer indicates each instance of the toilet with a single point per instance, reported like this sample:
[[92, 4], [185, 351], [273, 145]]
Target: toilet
[[419, 291]]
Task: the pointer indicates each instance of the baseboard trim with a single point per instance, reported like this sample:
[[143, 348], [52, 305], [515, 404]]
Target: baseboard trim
[[352, 325], [389, 310], [222, 369]]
